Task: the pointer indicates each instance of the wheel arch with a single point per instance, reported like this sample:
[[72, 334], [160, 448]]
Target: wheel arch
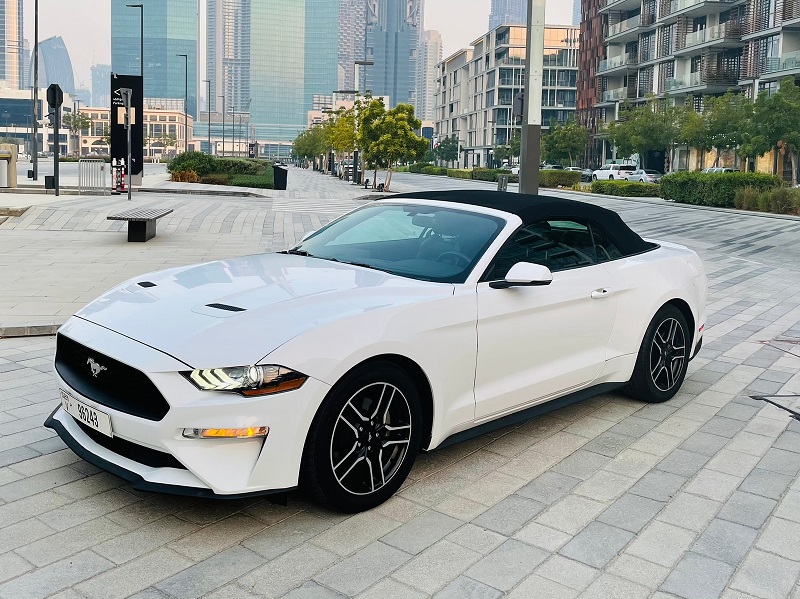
[[684, 308]]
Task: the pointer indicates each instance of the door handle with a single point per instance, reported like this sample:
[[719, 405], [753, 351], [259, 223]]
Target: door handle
[[601, 293]]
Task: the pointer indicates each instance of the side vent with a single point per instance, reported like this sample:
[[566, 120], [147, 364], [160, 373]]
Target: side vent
[[146, 284], [226, 307]]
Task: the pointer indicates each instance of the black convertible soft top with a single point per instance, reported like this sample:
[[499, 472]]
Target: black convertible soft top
[[531, 208]]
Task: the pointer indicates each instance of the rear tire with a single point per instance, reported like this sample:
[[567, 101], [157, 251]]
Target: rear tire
[[364, 439], [663, 357], [611, 177], [594, 177]]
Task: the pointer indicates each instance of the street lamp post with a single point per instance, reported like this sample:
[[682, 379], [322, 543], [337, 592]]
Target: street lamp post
[[141, 36], [185, 101], [208, 109], [532, 120], [223, 124], [35, 102]]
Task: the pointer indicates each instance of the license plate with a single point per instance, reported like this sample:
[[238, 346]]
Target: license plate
[[99, 421]]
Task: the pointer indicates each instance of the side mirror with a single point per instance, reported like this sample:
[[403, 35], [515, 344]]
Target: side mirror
[[524, 274], [307, 235]]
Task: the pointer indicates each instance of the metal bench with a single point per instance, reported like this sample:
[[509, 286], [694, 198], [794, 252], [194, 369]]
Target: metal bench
[[141, 221]]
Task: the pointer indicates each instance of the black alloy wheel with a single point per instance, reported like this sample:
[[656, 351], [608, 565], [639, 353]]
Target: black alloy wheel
[[663, 357], [364, 439]]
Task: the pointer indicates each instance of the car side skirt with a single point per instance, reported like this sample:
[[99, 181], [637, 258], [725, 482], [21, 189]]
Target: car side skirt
[[532, 412], [140, 484]]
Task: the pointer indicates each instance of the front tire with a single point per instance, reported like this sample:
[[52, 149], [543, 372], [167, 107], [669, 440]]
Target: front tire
[[663, 357], [364, 439]]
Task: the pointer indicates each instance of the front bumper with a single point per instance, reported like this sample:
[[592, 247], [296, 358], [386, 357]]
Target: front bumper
[[200, 467]]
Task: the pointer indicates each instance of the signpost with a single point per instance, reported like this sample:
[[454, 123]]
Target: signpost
[[55, 98], [127, 142]]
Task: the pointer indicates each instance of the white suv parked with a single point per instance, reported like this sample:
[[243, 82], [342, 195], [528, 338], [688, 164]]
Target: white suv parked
[[612, 171]]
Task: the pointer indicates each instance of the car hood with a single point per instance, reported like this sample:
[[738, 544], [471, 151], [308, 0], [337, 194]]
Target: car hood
[[236, 312]]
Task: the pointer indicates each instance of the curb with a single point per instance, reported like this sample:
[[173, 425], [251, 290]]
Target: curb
[[34, 330], [203, 192], [14, 211]]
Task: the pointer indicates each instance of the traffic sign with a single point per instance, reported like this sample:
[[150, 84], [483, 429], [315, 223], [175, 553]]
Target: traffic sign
[[55, 97]]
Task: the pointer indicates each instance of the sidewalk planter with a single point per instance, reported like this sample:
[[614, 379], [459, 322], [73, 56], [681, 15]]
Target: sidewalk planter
[[713, 189], [628, 189]]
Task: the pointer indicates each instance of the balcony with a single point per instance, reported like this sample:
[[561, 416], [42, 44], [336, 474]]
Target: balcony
[[726, 35], [781, 66], [617, 62], [712, 78], [691, 8], [609, 5], [624, 29], [614, 95]]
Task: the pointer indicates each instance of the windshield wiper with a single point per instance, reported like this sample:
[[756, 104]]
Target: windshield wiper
[[294, 252]]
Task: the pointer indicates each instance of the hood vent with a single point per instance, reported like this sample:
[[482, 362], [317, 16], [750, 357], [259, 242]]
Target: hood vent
[[226, 307], [146, 284]]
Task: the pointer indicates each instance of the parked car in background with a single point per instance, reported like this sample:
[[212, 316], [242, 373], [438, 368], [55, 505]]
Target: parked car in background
[[514, 169], [719, 169], [586, 174], [612, 171], [644, 175], [551, 167]]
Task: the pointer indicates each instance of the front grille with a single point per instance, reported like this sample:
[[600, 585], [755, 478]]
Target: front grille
[[132, 451], [116, 385]]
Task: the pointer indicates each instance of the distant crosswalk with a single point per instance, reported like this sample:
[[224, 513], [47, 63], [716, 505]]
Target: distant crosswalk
[[330, 207]]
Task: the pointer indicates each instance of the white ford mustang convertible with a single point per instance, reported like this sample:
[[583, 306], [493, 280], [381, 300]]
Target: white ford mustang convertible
[[409, 323]]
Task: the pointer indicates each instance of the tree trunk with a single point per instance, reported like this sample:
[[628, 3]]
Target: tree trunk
[[794, 168], [375, 179], [716, 160], [388, 178]]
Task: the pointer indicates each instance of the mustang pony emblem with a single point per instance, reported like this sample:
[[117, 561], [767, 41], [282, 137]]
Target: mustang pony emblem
[[96, 368]]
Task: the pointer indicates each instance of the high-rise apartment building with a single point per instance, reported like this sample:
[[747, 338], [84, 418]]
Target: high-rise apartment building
[[508, 11], [101, 85], [352, 36], [12, 48], [170, 29], [430, 54], [269, 60], [55, 65], [476, 88]]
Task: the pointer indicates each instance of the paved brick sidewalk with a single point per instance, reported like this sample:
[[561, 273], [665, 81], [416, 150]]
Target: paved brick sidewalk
[[695, 498]]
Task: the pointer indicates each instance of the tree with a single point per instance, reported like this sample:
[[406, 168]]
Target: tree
[[500, 153], [311, 143], [694, 131], [564, 141], [728, 117], [342, 133], [647, 127], [75, 122], [447, 150], [776, 118], [396, 139], [370, 112], [106, 137]]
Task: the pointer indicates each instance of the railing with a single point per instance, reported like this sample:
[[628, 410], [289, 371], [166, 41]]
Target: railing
[[91, 176], [624, 26], [678, 5], [709, 77], [717, 32], [612, 95], [617, 61], [786, 62]]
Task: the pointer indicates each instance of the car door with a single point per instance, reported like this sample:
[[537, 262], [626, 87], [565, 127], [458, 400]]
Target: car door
[[538, 342]]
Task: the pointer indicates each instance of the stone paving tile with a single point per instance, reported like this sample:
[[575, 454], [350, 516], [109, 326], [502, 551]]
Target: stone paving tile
[[603, 489]]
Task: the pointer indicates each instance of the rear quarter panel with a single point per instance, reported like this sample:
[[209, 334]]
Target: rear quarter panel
[[647, 281]]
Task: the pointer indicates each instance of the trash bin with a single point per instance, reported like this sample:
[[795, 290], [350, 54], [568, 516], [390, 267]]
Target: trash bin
[[502, 183], [281, 174]]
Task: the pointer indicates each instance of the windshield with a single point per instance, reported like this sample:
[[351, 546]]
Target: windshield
[[416, 241]]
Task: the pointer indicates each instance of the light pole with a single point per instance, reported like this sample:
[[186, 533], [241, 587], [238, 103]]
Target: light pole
[[354, 93], [223, 124], [532, 120], [35, 102], [185, 101], [208, 109], [76, 109], [141, 37]]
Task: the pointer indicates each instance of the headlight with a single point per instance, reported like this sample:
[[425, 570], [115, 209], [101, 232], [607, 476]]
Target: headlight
[[250, 381]]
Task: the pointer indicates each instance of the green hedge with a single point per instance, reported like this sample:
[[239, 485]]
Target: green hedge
[[713, 189], [434, 170], [459, 173], [628, 189], [417, 168], [265, 181], [781, 200], [400, 169], [216, 179], [488, 174], [203, 165], [555, 178]]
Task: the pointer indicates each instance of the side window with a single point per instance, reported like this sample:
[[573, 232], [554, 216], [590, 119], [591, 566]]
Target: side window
[[557, 244], [605, 249]]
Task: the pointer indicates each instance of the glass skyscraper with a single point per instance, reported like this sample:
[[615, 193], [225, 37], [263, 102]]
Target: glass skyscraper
[[170, 28], [508, 11], [55, 65], [393, 35], [12, 61], [270, 59]]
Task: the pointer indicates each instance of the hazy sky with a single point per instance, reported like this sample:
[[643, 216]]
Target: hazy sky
[[85, 26]]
